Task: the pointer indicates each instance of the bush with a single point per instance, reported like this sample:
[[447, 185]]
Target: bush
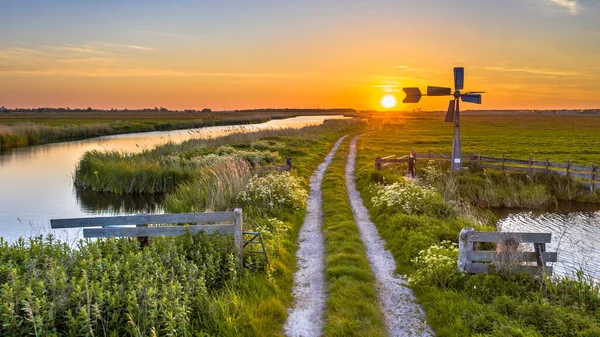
[[274, 191]]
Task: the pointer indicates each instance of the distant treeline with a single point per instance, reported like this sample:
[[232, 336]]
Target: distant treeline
[[163, 109], [294, 110]]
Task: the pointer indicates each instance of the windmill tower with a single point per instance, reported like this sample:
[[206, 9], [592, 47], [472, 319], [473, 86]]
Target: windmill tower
[[413, 95]]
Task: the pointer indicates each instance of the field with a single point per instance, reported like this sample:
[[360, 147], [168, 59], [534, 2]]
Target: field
[[558, 137]]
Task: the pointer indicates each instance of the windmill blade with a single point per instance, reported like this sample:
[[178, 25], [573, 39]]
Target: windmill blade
[[450, 114], [475, 92], [438, 91], [471, 98], [413, 95], [459, 78]]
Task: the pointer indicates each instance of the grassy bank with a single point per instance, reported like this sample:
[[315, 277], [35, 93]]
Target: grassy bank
[[184, 286], [421, 229], [27, 133], [163, 168], [352, 304]]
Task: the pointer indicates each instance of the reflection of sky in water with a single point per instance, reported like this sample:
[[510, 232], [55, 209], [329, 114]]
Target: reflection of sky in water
[[575, 236], [36, 182]]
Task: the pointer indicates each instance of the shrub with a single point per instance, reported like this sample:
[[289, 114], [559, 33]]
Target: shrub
[[436, 265], [273, 191], [407, 197]]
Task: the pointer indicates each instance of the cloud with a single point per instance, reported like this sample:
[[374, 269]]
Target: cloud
[[572, 6], [548, 72], [152, 32], [85, 49], [122, 46]]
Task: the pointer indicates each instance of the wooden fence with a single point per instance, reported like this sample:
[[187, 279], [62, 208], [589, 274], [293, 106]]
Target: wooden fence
[[588, 176], [510, 257], [210, 223]]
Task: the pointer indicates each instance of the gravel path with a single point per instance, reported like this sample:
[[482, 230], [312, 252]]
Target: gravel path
[[403, 315], [306, 317]]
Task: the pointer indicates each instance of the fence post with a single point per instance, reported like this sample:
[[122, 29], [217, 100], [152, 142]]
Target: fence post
[[288, 162], [429, 154], [144, 240], [592, 179], [378, 163], [479, 159], [530, 164], [502, 161], [547, 171], [464, 249], [568, 166], [237, 236], [411, 163]]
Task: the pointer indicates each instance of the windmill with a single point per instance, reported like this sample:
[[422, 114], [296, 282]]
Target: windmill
[[413, 95]]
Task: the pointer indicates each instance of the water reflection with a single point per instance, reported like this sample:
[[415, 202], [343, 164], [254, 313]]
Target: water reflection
[[113, 204], [575, 232]]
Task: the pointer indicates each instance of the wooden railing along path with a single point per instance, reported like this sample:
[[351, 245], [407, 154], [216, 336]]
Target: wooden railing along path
[[588, 176], [121, 226], [472, 260]]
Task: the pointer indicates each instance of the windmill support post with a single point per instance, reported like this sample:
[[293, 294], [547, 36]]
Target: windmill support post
[[456, 164]]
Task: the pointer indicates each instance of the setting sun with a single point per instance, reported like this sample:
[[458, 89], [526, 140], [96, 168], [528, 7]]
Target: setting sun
[[388, 101]]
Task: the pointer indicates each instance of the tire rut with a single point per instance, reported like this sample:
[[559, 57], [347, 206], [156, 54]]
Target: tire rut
[[306, 316], [403, 315]]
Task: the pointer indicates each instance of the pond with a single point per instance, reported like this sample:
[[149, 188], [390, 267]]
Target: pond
[[575, 229], [36, 183]]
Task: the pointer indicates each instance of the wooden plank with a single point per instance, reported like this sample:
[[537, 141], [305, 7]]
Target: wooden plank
[[491, 159], [388, 157], [479, 268], [580, 168], [488, 256], [496, 236], [562, 173], [155, 231], [464, 248], [538, 163], [588, 184], [143, 219], [559, 165], [238, 237], [581, 175]]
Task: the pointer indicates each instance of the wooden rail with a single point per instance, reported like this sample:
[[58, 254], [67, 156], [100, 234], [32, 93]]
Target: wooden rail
[[588, 176], [472, 260], [115, 226]]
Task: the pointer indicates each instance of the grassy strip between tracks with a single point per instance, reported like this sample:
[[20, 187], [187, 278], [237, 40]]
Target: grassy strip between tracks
[[181, 286], [352, 305], [421, 229]]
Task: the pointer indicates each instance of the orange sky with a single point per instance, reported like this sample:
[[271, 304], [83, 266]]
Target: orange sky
[[234, 55]]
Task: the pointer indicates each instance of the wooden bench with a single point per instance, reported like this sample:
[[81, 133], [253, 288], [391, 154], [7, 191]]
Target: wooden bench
[[121, 226], [472, 260]]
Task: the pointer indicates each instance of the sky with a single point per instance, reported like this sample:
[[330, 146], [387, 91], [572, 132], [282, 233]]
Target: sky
[[239, 54]]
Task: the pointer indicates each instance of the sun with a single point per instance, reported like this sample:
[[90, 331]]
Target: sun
[[388, 101]]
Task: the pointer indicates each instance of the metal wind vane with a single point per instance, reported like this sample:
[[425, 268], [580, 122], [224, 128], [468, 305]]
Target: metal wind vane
[[413, 95]]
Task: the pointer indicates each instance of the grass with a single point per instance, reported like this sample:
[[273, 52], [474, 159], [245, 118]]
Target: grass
[[27, 133], [352, 304], [184, 286], [420, 238], [165, 167]]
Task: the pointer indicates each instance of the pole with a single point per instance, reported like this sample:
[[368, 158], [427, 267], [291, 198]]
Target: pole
[[456, 164]]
